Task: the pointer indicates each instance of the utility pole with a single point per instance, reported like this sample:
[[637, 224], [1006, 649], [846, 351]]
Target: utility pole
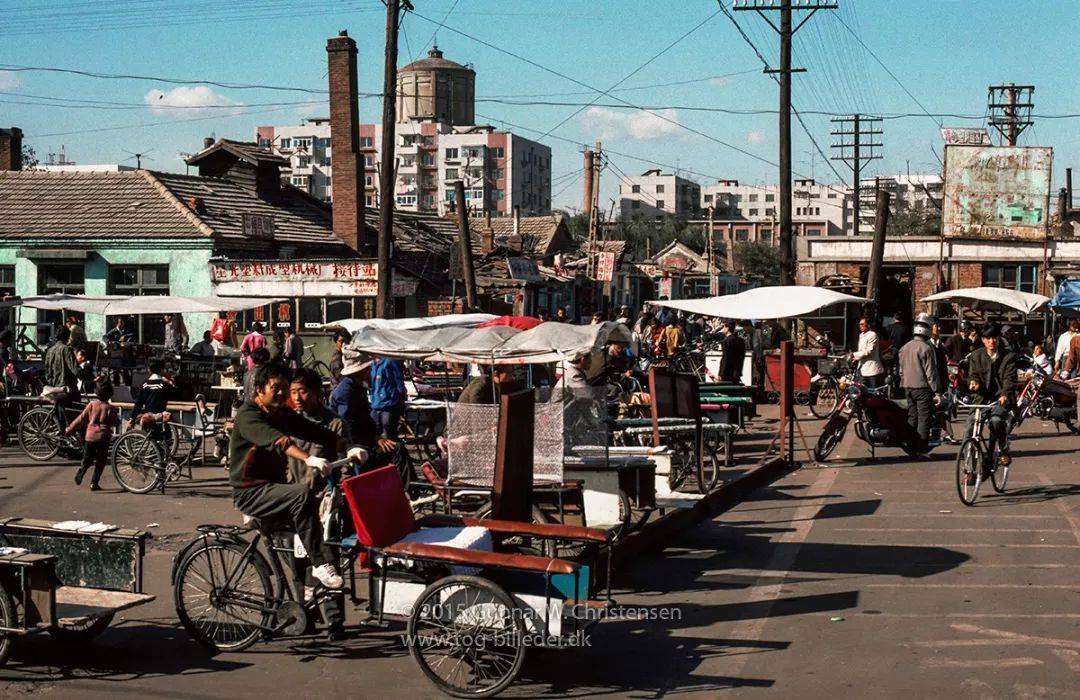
[[1009, 109], [465, 245], [857, 137], [594, 205], [877, 251], [587, 204], [712, 256], [384, 306], [786, 32]]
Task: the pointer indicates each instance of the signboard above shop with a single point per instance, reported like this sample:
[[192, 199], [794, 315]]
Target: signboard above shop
[[964, 136], [304, 278], [259, 227], [997, 192]]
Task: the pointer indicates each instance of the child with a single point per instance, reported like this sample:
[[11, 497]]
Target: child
[[100, 418], [1039, 358]]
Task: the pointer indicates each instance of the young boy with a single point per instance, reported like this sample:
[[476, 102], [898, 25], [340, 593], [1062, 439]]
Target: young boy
[[100, 418]]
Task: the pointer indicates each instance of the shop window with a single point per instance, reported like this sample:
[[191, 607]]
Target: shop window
[[311, 313], [1021, 278], [136, 281]]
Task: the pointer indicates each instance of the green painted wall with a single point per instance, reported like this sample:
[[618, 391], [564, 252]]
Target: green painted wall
[[189, 274]]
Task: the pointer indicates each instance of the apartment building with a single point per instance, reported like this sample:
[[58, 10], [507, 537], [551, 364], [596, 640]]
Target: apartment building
[[818, 209], [655, 194]]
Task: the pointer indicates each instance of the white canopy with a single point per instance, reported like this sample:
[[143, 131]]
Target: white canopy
[[352, 325], [124, 305], [993, 298], [764, 302], [548, 342]]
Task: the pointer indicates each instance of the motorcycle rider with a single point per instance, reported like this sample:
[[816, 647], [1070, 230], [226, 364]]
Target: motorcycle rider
[[992, 371], [921, 381]]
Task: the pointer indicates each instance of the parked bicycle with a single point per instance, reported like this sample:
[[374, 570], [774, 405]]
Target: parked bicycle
[[977, 460], [40, 432], [310, 362]]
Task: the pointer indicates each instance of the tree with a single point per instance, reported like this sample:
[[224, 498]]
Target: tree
[[914, 220], [758, 260], [29, 158]]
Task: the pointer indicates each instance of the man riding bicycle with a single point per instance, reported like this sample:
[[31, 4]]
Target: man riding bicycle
[[264, 435], [992, 377]]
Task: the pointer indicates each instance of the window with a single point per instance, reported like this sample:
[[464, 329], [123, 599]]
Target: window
[[753, 212], [765, 235], [140, 280], [1021, 278], [407, 199], [326, 181], [635, 188], [367, 142], [659, 204], [449, 194], [427, 140], [427, 159], [497, 152], [742, 235], [451, 153], [817, 211], [304, 143], [325, 162], [323, 142], [369, 161], [498, 194], [770, 198], [635, 204], [474, 152], [831, 195], [286, 143], [368, 181], [708, 198], [452, 174], [408, 140], [659, 189], [7, 280], [264, 143], [498, 174], [408, 161], [770, 212], [753, 198], [303, 162]]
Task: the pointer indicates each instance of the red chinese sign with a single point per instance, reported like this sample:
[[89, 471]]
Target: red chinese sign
[[285, 270], [605, 267]]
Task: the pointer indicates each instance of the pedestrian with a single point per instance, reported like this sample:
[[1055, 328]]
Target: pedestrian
[[259, 358], [921, 382], [119, 333], [560, 315], [573, 382], [61, 371], [1040, 360], [644, 332], [223, 333], [625, 317], [388, 396], [292, 351], [543, 315], [336, 360], [85, 372], [151, 406], [99, 419], [959, 346], [597, 319], [349, 400], [674, 337], [205, 347], [252, 342], [733, 349], [487, 387], [868, 355], [78, 335], [992, 378], [176, 334], [898, 332], [1061, 351]]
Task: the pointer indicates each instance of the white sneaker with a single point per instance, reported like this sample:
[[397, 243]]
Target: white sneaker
[[328, 576]]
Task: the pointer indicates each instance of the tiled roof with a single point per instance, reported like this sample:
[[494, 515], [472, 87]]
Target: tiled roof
[[298, 219], [90, 204], [244, 150], [537, 232]]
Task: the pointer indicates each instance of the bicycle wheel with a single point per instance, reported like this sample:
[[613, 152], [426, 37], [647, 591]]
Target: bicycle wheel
[[969, 471], [39, 434], [708, 471], [682, 462], [321, 368], [224, 618], [999, 476], [137, 462], [467, 636], [8, 619], [824, 396]]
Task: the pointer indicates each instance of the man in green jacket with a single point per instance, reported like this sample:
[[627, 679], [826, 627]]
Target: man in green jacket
[[265, 435]]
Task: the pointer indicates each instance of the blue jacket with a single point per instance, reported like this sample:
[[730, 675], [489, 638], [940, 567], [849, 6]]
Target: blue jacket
[[387, 385], [349, 402]]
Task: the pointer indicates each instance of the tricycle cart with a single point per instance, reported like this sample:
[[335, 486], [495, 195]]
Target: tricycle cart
[[68, 579]]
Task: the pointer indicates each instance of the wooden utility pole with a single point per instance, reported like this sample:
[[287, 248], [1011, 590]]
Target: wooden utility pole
[[587, 204], [1009, 108], [594, 207], [711, 256], [384, 300], [856, 136], [786, 32], [465, 243], [877, 252]]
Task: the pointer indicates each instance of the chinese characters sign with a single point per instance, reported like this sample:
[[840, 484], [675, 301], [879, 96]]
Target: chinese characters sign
[[996, 192]]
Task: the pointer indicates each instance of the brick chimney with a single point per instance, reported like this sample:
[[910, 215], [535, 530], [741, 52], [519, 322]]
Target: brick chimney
[[347, 186], [11, 149]]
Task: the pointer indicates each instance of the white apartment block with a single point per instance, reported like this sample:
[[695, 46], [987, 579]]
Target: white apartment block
[[500, 170], [812, 202], [654, 194]]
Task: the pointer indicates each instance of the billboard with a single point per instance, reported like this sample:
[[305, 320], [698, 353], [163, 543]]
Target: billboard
[[996, 192]]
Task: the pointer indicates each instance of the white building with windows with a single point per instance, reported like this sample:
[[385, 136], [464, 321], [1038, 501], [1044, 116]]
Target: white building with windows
[[655, 194], [813, 203]]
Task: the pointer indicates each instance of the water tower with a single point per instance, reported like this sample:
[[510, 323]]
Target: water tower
[[435, 88]]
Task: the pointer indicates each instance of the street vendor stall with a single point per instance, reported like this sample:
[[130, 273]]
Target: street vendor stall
[[992, 299]]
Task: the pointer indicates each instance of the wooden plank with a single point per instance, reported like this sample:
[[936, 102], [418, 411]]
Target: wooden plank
[[78, 606], [511, 498]]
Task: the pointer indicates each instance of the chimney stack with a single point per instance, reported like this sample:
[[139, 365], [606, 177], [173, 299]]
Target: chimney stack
[[587, 204], [347, 186], [517, 220], [207, 142], [11, 149]]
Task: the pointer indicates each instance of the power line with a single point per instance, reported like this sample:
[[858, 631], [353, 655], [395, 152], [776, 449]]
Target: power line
[[159, 123]]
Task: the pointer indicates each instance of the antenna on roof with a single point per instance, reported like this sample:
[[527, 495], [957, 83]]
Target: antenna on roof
[[138, 158]]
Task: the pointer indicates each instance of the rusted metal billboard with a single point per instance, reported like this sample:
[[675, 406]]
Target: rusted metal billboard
[[1000, 192]]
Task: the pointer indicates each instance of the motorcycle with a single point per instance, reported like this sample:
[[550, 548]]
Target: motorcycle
[[879, 422], [1047, 398]]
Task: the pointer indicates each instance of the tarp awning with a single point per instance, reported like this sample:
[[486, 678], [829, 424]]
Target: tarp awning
[[125, 305], [548, 342], [992, 299], [352, 325], [764, 302]]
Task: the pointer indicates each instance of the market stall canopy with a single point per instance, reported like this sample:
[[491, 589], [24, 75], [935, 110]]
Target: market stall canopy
[[764, 302], [522, 323], [992, 299], [1067, 300], [127, 305], [548, 342], [352, 325]]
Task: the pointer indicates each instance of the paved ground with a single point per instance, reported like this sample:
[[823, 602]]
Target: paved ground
[[854, 579]]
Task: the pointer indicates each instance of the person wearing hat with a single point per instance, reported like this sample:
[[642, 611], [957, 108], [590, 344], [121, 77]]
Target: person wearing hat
[[349, 402], [921, 381], [960, 345], [992, 376]]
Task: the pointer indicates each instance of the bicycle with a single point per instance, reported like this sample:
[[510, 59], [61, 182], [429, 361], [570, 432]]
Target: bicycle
[[825, 391], [972, 460], [41, 436], [308, 361], [145, 460]]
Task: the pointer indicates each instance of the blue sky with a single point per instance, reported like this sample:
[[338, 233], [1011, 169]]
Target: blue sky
[[944, 52]]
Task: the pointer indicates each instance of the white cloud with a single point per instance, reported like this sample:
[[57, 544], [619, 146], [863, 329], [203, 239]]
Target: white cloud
[[639, 125], [189, 100], [756, 137], [9, 80]]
